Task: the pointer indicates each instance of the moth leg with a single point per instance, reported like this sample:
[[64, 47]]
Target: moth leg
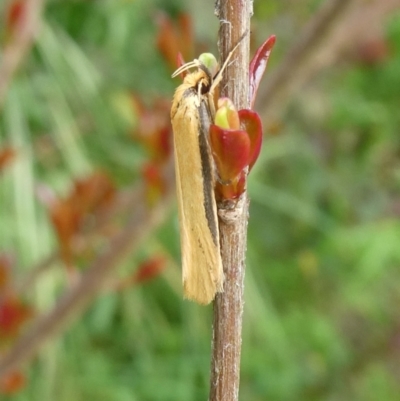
[[199, 93], [210, 100], [211, 105]]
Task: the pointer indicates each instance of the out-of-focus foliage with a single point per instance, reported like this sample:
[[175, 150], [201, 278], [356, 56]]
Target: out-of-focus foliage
[[323, 277]]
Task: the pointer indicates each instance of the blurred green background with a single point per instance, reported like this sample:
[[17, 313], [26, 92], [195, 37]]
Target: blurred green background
[[322, 290]]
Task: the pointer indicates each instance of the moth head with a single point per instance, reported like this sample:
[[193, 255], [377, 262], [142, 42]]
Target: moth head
[[202, 79], [206, 62], [209, 63]]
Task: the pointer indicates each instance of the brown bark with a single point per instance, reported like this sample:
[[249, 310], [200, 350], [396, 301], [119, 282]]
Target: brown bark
[[234, 17]]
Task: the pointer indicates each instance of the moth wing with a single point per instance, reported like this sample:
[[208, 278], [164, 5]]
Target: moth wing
[[202, 271]]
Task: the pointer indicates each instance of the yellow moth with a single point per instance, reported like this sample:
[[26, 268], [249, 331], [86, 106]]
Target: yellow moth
[[192, 113]]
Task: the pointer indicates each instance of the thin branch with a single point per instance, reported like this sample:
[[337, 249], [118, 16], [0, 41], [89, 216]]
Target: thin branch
[[76, 300], [29, 279], [336, 26], [123, 202], [310, 39], [20, 45], [234, 17]]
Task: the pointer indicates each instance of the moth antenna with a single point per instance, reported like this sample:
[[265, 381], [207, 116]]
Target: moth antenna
[[218, 78], [187, 66]]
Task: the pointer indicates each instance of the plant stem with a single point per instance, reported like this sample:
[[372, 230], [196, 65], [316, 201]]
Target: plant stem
[[140, 223], [300, 62], [16, 50], [234, 17]]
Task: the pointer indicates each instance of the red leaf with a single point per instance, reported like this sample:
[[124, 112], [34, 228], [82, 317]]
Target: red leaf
[[13, 313], [166, 40], [231, 150], [6, 156], [12, 382], [186, 35], [89, 196], [15, 15], [373, 51], [66, 219], [149, 269], [251, 123], [173, 38], [257, 67], [93, 192], [153, 129], [155, 185], [232, 190], [164, 146], [180, 61], [5, 271]]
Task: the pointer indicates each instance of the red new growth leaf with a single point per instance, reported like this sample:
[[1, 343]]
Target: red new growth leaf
[[15, 15], [6, 156], [155, 185], [226, 115], [12, 382], [251, 123], [180, 61], [257, 67], [373, 51], [232, 190], [66, 220], [13, 313], [231, 150], [5, 272], [153, 128], [89, 197], [235, 141], [185, 35], [173, 38], [166, 40], [149, 269], [93, 193]]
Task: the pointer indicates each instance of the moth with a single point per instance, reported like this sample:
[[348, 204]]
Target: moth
[[192, 113]]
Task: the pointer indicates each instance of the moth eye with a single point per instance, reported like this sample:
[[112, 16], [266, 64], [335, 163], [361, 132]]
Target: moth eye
[[204, 86]]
